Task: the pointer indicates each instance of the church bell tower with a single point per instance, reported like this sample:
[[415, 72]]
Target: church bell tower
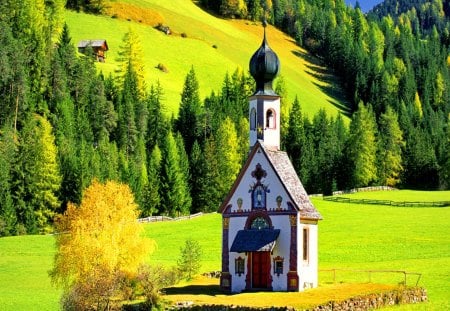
[[264, 109]]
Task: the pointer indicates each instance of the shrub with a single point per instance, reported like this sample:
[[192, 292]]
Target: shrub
[[162, 67], [189, 261], [183, 35]]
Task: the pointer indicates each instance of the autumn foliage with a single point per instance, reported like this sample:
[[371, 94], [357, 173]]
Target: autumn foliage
[[99, 247]]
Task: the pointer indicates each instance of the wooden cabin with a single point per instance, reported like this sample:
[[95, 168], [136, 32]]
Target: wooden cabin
[[99, 48]]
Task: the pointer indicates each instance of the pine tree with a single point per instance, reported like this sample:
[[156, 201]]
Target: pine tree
[[174, 188], [361, 150], [295, 135], [186, 197], [152, 200], [37, 175], [229, 160], [210, 195], [390, 148], [8, 217], [131, 59], [189, 116], [198, 170]]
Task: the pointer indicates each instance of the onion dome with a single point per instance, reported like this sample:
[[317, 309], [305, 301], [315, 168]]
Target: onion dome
[[264, 67]]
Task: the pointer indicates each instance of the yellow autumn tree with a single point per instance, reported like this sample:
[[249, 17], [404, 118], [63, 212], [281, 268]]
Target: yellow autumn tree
[[99, 247]]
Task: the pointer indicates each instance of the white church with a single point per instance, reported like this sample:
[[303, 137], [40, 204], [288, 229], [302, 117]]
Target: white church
[[270, 234]]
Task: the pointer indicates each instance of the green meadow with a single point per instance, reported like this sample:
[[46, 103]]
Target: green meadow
[[351, 236], [213, 46]]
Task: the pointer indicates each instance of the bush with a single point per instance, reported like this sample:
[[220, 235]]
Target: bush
[[183, 35], [152, 279], [189, 261], [162, 67]]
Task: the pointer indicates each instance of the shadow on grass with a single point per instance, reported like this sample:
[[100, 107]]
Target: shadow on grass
[[332, 87], [210, 290]]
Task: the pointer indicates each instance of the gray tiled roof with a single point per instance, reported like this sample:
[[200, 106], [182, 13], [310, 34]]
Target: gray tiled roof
[[93, 43], [288, 176]]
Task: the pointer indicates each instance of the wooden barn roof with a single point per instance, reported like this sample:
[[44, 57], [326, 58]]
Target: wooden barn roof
[[93, 43]]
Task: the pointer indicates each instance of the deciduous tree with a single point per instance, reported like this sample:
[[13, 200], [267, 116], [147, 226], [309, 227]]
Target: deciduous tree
[[98, 243]]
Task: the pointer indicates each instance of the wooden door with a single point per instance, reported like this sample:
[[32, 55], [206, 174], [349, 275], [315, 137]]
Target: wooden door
[[260, 269]]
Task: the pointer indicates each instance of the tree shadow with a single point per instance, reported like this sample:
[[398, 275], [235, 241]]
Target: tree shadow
[[210, 290], [331, 85]]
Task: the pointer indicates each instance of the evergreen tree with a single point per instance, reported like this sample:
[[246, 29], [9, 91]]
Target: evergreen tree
[[186, 198], [229, 160], [37, 175], [295, 136], [131, 59], [8, 217], [361, 148], [189, 120], [198, 170], [210, 195], [152, 198], [157, 124], [174, 190], [390, 148]]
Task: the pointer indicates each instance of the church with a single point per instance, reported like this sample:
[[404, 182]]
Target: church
[[269, 225]]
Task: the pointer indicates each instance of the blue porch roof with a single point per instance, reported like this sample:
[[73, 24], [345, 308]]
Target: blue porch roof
[[253, 240]]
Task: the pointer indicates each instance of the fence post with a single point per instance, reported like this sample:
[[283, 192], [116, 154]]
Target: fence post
[[404, 272]]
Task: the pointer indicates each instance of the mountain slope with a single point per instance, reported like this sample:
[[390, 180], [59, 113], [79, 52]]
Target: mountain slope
[[234, 41]]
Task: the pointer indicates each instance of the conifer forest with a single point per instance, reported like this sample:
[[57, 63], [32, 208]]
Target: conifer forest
[[63, 124]]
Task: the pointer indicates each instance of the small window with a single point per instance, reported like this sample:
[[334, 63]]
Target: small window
[[253, 119], [278, 265], [239, 266], [259, 197], [305, 244], [270, 119]]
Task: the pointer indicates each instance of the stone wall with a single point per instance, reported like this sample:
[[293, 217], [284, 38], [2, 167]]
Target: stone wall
[[368, 302], [375, 301]]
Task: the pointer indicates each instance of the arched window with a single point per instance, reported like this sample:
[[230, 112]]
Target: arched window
[[259, 197], [253, 119], [270, 119], [259, 223]]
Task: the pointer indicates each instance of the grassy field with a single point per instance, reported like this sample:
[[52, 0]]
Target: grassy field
[[351, 236], [235, 42]]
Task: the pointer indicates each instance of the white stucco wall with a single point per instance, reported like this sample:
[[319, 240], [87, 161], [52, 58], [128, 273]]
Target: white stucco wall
[[308, 273]]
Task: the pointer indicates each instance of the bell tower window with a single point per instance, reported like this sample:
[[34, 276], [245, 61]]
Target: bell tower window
[[270, 119], [253, 119]]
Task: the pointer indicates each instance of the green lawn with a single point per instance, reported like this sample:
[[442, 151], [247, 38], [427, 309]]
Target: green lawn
[[351, 236], [236, 41]]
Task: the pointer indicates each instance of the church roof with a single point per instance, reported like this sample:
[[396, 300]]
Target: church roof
[[289, 179], [283, 167]]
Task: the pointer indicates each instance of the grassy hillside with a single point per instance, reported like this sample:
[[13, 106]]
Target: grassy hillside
[[235, 41], [351, 236]]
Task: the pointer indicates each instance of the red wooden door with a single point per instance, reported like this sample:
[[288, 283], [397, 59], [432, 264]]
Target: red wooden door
[[260, 269]]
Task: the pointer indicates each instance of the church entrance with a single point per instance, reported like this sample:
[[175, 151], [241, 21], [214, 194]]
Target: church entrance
[[260, 270]]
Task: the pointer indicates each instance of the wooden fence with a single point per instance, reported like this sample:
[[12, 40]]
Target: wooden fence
[[388, 202], [369, 274], [167, 218]]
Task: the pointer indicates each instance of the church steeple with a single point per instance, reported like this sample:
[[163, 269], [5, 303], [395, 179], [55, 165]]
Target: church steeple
[[264, 67], [264, 106]]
